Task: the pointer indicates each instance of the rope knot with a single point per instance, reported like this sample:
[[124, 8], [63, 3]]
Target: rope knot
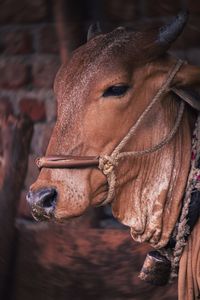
[[107, 164]]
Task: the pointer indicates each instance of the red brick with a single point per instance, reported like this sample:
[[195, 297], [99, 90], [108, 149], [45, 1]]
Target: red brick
[[24, 11], [157, 8], [48, 41], [16, 42], [33, 108], [44, 71], [14, 73]]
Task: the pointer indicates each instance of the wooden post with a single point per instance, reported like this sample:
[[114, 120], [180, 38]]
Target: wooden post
[[15, 136], [61, 28]]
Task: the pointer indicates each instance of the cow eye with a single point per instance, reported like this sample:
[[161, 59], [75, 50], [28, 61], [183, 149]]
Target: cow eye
[[116, 90]]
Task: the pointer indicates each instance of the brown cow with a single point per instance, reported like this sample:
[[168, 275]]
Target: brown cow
[[104, 89]]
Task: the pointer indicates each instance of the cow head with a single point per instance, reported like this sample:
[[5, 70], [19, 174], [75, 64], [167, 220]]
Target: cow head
[[101, 93]]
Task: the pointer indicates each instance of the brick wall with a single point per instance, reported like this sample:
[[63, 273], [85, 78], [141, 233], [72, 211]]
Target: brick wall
[[28, 63], [29, 55]]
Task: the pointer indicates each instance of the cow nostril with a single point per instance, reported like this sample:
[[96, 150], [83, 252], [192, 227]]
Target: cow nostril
[[43, 198], [42, 202], [49, 199]]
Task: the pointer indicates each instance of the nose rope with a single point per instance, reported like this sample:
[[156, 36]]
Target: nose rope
[[108, 163]]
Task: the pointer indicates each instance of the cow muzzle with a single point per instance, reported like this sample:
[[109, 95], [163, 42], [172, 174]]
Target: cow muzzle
[[43, 203]]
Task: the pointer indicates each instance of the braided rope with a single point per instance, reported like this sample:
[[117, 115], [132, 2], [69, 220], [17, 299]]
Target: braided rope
[[107, 163], [165, 141], [193, 182]]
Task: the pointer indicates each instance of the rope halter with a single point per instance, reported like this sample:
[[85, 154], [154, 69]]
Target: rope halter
[[108, 163]]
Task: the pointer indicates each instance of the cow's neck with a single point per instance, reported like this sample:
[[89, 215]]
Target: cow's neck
[[149, 195]]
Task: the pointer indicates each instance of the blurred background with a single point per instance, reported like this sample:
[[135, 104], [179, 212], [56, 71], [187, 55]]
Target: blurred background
[[94, 256]]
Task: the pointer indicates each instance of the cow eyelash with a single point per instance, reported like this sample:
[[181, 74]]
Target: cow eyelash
[[116, 91]]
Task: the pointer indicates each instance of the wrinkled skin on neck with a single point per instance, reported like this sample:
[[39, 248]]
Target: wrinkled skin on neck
[[150, 188], [154, 193]]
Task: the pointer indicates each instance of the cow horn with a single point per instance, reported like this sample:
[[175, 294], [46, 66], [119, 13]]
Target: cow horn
[[169, 32], [93, 31]]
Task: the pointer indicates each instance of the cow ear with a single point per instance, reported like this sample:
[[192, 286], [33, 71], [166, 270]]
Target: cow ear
[[186, 82], [191, 96]]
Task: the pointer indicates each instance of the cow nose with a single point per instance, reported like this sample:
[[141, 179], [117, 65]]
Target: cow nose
[[42, 201]]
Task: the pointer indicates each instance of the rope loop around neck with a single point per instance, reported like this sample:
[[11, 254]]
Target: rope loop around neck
[[107, 163], [163, 90]]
